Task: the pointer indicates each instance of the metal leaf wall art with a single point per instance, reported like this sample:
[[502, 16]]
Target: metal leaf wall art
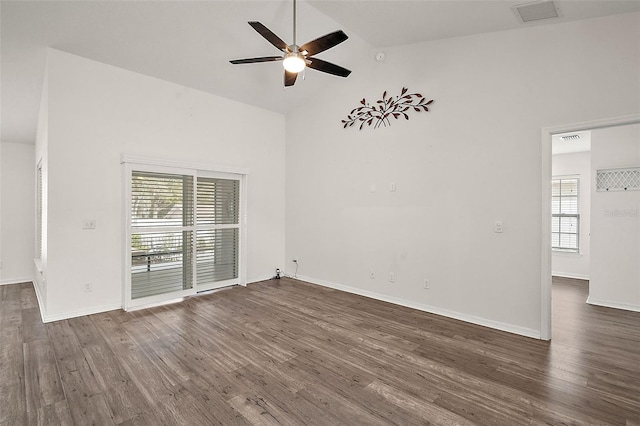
[[381, 111]]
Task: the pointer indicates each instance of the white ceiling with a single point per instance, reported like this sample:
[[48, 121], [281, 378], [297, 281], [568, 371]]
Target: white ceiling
[[191, 42]]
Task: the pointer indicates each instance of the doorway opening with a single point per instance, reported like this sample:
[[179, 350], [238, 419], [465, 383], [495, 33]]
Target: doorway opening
[[570, 227]]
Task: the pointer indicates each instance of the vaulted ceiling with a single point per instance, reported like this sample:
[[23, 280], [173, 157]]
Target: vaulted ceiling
[[191, 42]]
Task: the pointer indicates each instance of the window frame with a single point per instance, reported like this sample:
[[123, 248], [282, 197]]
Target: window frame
[[560, 216], [39, 211]]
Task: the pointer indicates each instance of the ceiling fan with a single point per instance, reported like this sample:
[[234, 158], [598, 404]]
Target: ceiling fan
[[296, 58]]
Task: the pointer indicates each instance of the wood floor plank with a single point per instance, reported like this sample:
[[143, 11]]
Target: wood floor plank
[[11, 356], [285, 406], [56, 414], [33, 328], [157, 353], [290, 353], [133, 360], [90, 410], [208, 339], [11, 336], [256, 410], [13, 407], [427, 409], [341, 407], [504, 401], [28, 298], [211, 400], [351, 385], [124, 399], [43, 385], [181, 407]]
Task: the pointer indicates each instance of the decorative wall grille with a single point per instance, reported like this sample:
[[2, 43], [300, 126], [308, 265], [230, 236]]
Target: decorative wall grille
[[627, 179]]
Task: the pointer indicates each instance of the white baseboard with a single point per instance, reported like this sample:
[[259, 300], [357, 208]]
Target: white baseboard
[[615, 305], [40, 299], [95, 310], [257, 280], [570, 275], [66, 315], [510, 328], [8, 281], [80, 313]]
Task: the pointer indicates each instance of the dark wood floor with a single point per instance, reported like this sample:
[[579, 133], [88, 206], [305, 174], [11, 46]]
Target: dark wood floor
[[290, 353]]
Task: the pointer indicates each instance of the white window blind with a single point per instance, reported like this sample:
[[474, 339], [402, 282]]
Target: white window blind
[[218, 234], [162, 233], [218, 201], [161, 200], [40, 218], [565, 217], [217, 255]]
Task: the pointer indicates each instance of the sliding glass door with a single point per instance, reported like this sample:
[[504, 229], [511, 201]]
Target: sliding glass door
[[184, 233], [162, 207], [218, 232]]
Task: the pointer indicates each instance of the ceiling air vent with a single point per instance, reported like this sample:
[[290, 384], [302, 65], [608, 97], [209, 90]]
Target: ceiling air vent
[[537, 11], [570, 138]]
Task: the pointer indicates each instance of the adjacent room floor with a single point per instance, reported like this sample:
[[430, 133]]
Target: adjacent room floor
[[288, 352]]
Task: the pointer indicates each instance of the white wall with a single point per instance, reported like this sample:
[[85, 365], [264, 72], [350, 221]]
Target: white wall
[[97, 112], [576, 265], [475, 158], [17, 220], [615, 223]]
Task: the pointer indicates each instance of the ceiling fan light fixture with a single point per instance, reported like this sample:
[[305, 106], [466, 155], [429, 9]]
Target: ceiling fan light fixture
[[296, 58], [294, 62]]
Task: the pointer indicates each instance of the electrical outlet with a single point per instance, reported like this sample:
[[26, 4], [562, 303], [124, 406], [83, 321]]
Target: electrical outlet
[[89, 224], [88, 287], [427, 286], [372, 275], [294, 260], [392, 277], [497, 226]]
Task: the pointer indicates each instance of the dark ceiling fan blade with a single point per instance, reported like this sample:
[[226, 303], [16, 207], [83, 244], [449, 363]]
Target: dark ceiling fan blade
[[289, 78], [255, 60], [270, 36], [323, 43], [328, 67]]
